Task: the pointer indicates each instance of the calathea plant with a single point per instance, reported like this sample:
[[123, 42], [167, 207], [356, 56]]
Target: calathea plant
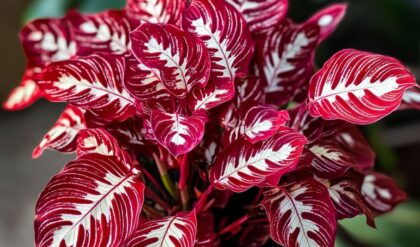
[[204, 123]]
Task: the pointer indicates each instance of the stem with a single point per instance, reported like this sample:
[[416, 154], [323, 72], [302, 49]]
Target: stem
[[203, 199], [164, 176], [232, 227], [185, 198], [185, 170]]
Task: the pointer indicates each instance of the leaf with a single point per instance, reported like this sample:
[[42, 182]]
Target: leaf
[[214, 94], [358, 87], [255, 234], [285, 58], [177, 133], [261, 15], [63, 135], [179, 230], [47, 40], [94, 201], [243, 165], [263, 121], [250, 89], [300, 214], [93, 83], [381, 193], [178, 58], [328, 19], [99, 141], [411, 98], [205, 230], [155, 11], [104, 32], [25, 94], [225, 34]]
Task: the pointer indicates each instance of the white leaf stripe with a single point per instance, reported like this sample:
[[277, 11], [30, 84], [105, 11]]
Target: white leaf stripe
[[243, 165], [358, 87], [93, 83], [93, 196], [155, 11], [176, 231], [230, 46], [63, 135], [301, 214]]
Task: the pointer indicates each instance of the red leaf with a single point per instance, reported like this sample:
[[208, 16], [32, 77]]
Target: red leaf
[[93, 83], [104, 32], [285, 57], [301, 214], [155, 11], [205, 230], [179, 230], [178, 58], [250, 89], [63, 135], [381, 193], [25, 94], [177, 133], [214, 94], [47, 40], [411, 98], [94, 201], [358, 87], [261, 15], [243, 165], [225, 34], [328, 19]]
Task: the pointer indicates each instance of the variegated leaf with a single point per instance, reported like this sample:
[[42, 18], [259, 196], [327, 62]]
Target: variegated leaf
[[243, 165], [261, 15], [94, 201], [155, 11], [285, 57], [47, 40], [301, 214], [225, 34], [178, 58], [177, 133], [381, 193], [63, 135], [129, 132], [263, 121], [104, 32], [99, 141], [179, 230], [250, 89], [358, 87], [411, 98], [328, 19], [214, 94], [25, 94], [93, 83]]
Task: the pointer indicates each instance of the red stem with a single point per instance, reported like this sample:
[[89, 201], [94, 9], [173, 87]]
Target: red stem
[[233, 227]]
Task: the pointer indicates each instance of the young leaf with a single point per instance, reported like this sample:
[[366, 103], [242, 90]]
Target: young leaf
[[358, 87], [328, 19], [179, 230], [178, 58], [155, 11], [94, 201], [381, 193], [93, 83], [261, 15], [243, 165], [225, 34], [285, 57], [63, 135], [301, 214], [177, 133], [104, 32], [25, 94]]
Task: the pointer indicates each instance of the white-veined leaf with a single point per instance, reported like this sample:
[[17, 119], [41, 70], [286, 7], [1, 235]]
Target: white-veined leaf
[[63, 135], [301, 214], [411, 98], [178, 58], [93, 83], [243, 165], [358, 87], [179, 230], [155, 11], [94, 201]]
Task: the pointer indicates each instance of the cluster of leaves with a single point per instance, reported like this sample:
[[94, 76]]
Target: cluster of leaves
[[174, 107]]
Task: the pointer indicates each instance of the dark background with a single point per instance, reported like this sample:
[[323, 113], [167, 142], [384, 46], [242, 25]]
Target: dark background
[[390, 27]]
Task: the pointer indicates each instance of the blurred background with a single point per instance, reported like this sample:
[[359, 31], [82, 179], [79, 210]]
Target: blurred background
[[390, 27]]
